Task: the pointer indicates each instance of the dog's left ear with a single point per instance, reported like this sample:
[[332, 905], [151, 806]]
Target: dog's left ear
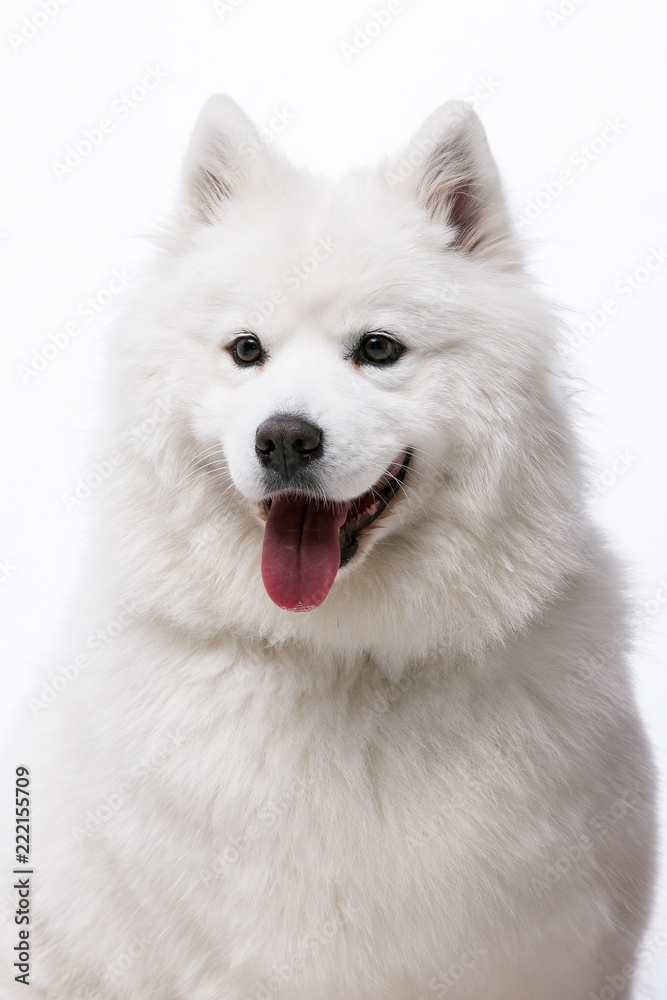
[[449, 168]]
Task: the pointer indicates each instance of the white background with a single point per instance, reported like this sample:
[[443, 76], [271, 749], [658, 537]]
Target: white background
[[547, 83]]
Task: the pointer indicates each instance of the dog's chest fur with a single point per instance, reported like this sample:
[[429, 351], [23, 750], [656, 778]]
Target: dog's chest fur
[[322, 818]]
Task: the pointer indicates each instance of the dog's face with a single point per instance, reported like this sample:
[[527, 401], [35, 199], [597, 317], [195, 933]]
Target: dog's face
[[358, 367], [329, 358]]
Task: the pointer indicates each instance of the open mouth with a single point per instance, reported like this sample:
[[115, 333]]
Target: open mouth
[[308, 539]]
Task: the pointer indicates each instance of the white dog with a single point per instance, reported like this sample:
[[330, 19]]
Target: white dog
[[356, 722]]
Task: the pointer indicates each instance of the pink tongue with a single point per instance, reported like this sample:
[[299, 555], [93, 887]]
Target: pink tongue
[[301, 553]]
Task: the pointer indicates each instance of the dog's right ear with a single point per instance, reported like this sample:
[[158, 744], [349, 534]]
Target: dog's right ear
[[220, 158]]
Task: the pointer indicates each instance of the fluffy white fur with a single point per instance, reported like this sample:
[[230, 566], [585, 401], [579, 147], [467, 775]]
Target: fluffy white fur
[[435, 784]]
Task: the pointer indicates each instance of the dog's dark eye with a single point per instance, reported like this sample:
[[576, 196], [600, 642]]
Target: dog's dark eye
[[378, 349], [247, 350]]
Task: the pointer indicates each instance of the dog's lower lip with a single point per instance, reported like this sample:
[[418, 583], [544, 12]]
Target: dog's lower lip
[[366, 508]]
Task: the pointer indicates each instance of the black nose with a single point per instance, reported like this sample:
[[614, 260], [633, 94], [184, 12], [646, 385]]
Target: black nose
[[286, 444]]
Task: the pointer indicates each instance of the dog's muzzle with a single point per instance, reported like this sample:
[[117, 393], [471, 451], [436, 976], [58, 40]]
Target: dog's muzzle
[[307, 537]]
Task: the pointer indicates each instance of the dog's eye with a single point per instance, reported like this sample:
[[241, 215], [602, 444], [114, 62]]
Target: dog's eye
[[246, 350], [378, 349]]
